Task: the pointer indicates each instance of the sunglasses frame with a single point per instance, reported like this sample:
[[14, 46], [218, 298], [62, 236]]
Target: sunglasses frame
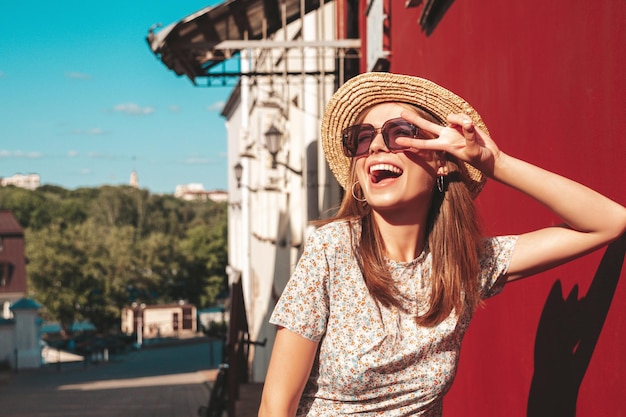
[[356, 130]]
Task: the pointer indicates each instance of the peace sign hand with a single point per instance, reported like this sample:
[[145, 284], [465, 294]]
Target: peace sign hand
[[459, 138]]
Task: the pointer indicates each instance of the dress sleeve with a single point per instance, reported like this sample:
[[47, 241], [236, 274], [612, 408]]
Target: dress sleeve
[[494, 264], [303, 307]]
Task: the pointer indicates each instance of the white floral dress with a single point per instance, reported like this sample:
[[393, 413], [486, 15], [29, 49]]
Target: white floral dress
[[372, 360]]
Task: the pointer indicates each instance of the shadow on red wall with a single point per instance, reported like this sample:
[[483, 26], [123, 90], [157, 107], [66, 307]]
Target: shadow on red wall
[[567, 335]]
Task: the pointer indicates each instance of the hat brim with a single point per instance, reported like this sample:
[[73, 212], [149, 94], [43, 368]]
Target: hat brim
[[371, 88]]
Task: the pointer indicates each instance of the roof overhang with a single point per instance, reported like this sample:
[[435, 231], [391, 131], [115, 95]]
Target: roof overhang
[[194, 45]]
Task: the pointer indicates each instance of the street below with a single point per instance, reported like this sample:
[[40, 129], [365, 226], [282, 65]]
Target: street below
[[156, 381]]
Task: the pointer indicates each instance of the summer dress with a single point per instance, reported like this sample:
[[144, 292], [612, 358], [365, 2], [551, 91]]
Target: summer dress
[[373, 360]]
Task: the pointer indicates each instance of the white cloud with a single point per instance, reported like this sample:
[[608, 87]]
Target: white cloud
[[20, 154], [77, 75], [196, 160], [96, 131], [174, 108], [1, 73], [72, 153], [133, 109], [217, 106]]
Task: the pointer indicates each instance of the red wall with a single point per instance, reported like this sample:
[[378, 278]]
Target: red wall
[[549, 79]]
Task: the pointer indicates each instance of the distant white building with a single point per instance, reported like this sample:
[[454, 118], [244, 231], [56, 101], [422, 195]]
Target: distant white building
[[196, 191], [134, 179], [219, 196], [29, 181], [159, 320]]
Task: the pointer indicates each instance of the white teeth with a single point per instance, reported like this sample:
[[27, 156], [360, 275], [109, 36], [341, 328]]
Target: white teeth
[[385, 167]]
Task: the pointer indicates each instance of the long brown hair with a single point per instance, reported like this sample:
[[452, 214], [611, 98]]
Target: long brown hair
[[453, 237]]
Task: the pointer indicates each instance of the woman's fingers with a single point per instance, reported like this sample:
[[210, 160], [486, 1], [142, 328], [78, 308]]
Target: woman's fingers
[[464, 123], [415, 145], [460, 138], [422, 123], [468, 130]]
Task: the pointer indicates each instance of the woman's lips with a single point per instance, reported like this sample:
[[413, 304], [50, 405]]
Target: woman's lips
[[382, 171]]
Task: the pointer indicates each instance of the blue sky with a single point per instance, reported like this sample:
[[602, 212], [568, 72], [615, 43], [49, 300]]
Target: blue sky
[[83, 101]]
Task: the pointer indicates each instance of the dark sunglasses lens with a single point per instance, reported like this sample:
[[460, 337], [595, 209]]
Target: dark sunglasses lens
[[357, 139], [364, 139], [398, 128]]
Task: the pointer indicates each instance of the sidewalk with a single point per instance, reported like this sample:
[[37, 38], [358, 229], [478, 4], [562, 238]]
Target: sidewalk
[[167, 381]]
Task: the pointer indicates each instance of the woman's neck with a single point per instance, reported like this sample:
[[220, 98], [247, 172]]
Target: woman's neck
[[403, 241]]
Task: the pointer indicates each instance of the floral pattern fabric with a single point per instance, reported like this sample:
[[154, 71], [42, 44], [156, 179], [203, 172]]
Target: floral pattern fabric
[[373, 360]]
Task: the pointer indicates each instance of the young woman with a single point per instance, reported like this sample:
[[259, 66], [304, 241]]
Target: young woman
[[372, 319]]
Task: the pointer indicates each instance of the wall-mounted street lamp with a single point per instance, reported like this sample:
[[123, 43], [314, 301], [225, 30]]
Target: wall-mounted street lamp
[[238, 172], [273, 142], [273, 137]]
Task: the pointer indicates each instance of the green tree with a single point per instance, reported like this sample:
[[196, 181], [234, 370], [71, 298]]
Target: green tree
[[114, 206], [54, 272], [111, 263], [30, 208], [204, 263], [92, 251]]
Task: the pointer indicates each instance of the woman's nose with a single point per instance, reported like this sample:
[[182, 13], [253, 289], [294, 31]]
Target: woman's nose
[[378, 143]]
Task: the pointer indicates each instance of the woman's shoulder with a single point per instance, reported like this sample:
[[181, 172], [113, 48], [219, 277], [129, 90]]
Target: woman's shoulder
[[334, 234], [335, 228], [497, 252], [493, 245]]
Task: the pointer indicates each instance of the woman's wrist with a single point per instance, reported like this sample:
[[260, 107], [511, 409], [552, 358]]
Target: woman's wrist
[[500, 169]]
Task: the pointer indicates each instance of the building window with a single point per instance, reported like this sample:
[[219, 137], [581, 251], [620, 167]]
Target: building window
[[6, 272]]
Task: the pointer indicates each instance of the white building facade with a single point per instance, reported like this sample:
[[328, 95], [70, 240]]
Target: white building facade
[[288, 66], [273, 197]]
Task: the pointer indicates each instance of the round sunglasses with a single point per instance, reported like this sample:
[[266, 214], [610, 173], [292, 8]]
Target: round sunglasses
[[357, 139]]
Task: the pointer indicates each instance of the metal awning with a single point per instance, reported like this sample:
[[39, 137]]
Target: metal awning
[[200, 41]]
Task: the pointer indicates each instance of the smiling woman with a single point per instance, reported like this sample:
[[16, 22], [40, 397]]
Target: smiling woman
[[373, 317]]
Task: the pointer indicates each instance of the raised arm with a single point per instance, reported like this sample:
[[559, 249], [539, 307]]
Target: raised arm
[[289, 369], [590, 219]]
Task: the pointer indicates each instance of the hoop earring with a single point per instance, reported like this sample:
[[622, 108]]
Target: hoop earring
[[441, 183], [354, 194]]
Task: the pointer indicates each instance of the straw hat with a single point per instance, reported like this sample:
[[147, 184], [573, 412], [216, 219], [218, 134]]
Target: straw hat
[[371, 88]]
